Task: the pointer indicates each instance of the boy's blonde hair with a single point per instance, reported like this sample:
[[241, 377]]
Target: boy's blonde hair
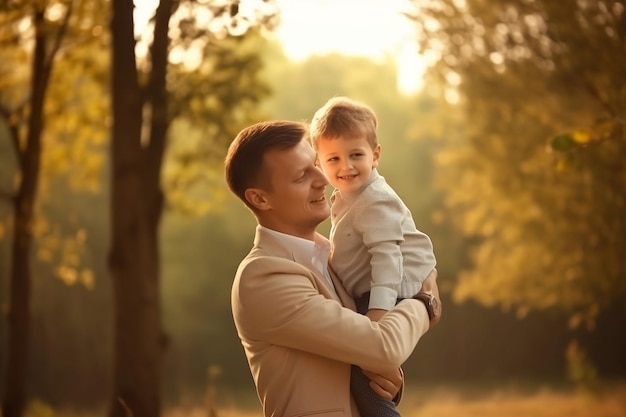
[[344, 117]]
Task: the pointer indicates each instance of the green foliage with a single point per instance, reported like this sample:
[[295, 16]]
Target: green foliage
[[76, 103], [209, 105], [75, 117], [302, 87], [580, 370], [525, 70], [568, 145], [200, 256]]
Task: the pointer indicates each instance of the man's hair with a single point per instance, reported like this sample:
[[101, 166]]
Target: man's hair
[[243, 167], [344, 117]]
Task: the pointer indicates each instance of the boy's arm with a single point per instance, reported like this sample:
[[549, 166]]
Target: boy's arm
[[379, 226], [429, 287]]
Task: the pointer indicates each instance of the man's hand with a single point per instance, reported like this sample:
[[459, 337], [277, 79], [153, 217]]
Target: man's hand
[[429, 286], [385, 385], [375, 314]]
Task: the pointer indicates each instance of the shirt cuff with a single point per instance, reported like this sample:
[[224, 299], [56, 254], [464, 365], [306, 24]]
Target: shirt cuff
[[383, 298]]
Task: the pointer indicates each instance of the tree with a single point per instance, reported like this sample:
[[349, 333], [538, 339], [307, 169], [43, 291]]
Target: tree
[[525, 72], [141, 93], [23, 115]]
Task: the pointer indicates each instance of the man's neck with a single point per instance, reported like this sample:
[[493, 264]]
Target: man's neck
[[308, 235]]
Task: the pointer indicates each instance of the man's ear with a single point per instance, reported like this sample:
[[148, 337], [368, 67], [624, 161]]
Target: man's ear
[[256, 197]]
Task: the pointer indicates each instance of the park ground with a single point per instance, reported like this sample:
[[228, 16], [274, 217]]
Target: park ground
[[475, 400]]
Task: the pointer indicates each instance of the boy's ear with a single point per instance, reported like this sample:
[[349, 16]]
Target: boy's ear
[[256, 197], [377, 152]]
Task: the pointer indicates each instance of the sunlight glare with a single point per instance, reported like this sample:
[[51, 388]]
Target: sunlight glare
[[371, 28], [411, 67]]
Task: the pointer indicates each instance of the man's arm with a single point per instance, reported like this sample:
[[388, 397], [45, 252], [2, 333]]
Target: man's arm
[[389, 385], [287, 309]]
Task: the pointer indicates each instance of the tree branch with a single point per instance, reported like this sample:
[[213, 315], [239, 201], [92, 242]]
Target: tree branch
[[7, 115], [58, 39]]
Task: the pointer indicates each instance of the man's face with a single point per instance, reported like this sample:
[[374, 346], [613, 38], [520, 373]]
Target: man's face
[[295, 203], [348, 163]]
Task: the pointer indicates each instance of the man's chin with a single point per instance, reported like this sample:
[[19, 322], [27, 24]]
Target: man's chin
[[321, 218]]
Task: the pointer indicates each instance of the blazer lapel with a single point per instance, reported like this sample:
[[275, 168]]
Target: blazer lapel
[[266, 242], [344, 297]]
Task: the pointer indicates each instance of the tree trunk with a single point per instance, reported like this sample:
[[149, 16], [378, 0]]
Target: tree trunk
[[23, 209], [136, 206]]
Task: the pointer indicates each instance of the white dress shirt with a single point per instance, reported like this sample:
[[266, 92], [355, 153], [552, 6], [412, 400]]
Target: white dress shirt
[[312, 254], [376, 246]]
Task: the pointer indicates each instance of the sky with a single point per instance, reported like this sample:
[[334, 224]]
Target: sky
[[372, 28]]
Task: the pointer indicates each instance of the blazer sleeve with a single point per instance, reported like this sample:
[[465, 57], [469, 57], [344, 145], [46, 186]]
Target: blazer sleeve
[[287, 309]]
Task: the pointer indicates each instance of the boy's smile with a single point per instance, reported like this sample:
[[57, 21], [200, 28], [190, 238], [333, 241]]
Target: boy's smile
[[347, 163]]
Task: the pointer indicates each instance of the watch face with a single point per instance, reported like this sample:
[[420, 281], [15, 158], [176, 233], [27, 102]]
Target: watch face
[[436, 306], [432, 304]]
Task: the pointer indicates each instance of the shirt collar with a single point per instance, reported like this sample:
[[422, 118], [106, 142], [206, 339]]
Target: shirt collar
[[312, 254]]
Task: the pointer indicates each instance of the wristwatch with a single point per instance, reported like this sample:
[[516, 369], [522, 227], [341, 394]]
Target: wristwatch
[[432, 304]]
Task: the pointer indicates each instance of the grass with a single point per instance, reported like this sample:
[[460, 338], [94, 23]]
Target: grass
[[459, 400], [484, 400], [515, 401]]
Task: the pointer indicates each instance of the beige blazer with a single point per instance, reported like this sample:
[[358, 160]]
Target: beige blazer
[[300, 340]]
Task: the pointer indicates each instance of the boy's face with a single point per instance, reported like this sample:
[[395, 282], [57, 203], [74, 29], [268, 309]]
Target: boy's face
[[347, 163]]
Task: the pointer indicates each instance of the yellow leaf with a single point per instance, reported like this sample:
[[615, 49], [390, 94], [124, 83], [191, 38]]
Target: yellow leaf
[[87, 278], [581, 136], [68, 275]]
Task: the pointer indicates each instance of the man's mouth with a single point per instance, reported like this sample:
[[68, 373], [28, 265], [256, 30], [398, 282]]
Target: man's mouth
[[319, 200]]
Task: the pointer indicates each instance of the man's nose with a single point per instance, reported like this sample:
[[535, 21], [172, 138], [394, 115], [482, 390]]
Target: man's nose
[[321, 180]]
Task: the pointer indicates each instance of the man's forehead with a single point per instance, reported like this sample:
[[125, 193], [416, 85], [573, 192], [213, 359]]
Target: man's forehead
[[294, 157], [302, 150]]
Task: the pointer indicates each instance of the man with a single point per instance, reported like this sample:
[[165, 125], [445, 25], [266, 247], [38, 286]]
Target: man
[[296, 323]]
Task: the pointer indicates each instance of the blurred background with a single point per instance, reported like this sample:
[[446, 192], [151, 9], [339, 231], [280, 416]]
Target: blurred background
[[502, 128]]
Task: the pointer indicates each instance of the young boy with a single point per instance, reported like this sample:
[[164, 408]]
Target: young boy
[[377, 251]]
